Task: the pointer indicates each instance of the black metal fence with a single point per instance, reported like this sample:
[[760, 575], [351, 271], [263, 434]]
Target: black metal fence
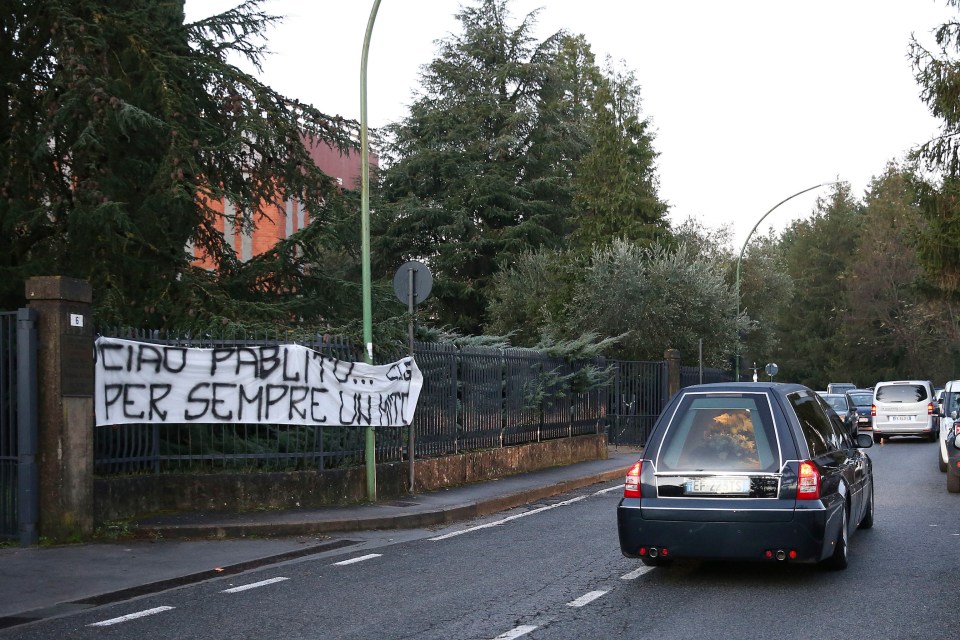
[[8, 425], [473, 398], [18, 426], [696, 375]]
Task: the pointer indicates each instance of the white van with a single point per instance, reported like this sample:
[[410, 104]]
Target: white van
[[949, 423], [905, 408]]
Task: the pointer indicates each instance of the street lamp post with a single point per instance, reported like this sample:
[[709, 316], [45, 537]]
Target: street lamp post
[[743, 250], [370, 450]]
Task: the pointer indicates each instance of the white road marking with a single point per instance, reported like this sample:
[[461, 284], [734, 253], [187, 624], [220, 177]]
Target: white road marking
[[609, 489], [369, 556], [508, 519], [516, 632], [254, 585], [586, 598], [636, 573], [131, 616]]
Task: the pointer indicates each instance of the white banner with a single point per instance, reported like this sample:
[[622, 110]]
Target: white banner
[[142, 383]]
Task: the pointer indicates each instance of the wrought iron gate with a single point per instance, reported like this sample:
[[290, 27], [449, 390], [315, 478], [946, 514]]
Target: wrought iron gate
[[18, 426], [637, 396]]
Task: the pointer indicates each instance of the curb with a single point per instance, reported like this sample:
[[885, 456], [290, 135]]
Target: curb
[[439, 516]]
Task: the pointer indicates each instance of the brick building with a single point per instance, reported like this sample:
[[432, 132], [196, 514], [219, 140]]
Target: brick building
[[281, 223]]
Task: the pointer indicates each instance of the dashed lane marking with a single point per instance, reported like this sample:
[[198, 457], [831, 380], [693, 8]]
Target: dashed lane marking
[[636, 573], [131, 616], [516, 632], [586, 598], [369, 556], [254, 585]]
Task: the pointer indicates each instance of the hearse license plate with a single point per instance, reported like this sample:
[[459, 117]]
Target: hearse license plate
[[717, 485]]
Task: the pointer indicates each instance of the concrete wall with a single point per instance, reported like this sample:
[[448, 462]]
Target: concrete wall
[[132, 496]]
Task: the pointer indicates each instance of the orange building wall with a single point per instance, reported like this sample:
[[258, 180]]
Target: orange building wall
[[343, 167]]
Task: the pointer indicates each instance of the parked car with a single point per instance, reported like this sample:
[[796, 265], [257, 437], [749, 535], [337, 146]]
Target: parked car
[[840, 387], [949, 423], [905, 408], [862, 401], [953, 464], [747, 471]]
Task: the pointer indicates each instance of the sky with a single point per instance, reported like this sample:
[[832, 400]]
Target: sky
[[751, 101]]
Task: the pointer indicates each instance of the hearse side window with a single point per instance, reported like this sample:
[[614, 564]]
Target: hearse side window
[[721, 433], [840, 437], [817, 428]]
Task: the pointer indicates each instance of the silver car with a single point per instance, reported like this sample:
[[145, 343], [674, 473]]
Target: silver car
[[905, 408]]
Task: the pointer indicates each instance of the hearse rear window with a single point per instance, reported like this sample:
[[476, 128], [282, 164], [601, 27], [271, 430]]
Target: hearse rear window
[[728, 433]]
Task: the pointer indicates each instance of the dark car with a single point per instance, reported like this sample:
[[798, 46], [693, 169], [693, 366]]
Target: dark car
[[862, 402], [844, 409], [747, 471]]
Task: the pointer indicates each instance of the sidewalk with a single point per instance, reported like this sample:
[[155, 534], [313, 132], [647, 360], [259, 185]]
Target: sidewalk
[[41, 582]]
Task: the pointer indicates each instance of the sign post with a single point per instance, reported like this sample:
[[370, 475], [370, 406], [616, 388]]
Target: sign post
[[412, 284]]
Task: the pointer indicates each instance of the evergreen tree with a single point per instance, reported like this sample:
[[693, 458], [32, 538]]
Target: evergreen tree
[[765, 291], [938, 74], [530, 298], [616, 185], [818, 253], [121, 129], [893, 329], [480, 171]]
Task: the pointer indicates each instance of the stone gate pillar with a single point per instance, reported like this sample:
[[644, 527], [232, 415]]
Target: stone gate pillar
[[64, 405], [672, 357]]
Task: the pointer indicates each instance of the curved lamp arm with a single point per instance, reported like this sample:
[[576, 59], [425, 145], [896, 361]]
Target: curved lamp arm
[[744, 249]]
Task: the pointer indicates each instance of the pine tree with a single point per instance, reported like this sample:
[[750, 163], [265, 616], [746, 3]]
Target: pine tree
[[616, 185], [818, 252], [938, 74], [121, 128], [481, 169]]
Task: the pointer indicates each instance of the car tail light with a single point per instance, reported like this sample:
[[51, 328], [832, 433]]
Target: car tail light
[[808, 485], [631, 486], [873, 410], [929, 408]]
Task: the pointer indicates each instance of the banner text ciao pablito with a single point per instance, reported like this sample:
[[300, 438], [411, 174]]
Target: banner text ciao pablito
[[143, 383]]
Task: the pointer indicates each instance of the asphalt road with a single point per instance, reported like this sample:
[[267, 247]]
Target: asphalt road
[[554, 570]]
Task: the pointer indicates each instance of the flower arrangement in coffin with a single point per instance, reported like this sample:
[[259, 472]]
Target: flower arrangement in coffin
[[730, 438]]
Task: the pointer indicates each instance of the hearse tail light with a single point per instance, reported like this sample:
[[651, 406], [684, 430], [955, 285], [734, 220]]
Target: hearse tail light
[[631, 486], [808, 485]]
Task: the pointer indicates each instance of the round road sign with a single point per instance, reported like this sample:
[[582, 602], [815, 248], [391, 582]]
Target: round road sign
[[422, 282]]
